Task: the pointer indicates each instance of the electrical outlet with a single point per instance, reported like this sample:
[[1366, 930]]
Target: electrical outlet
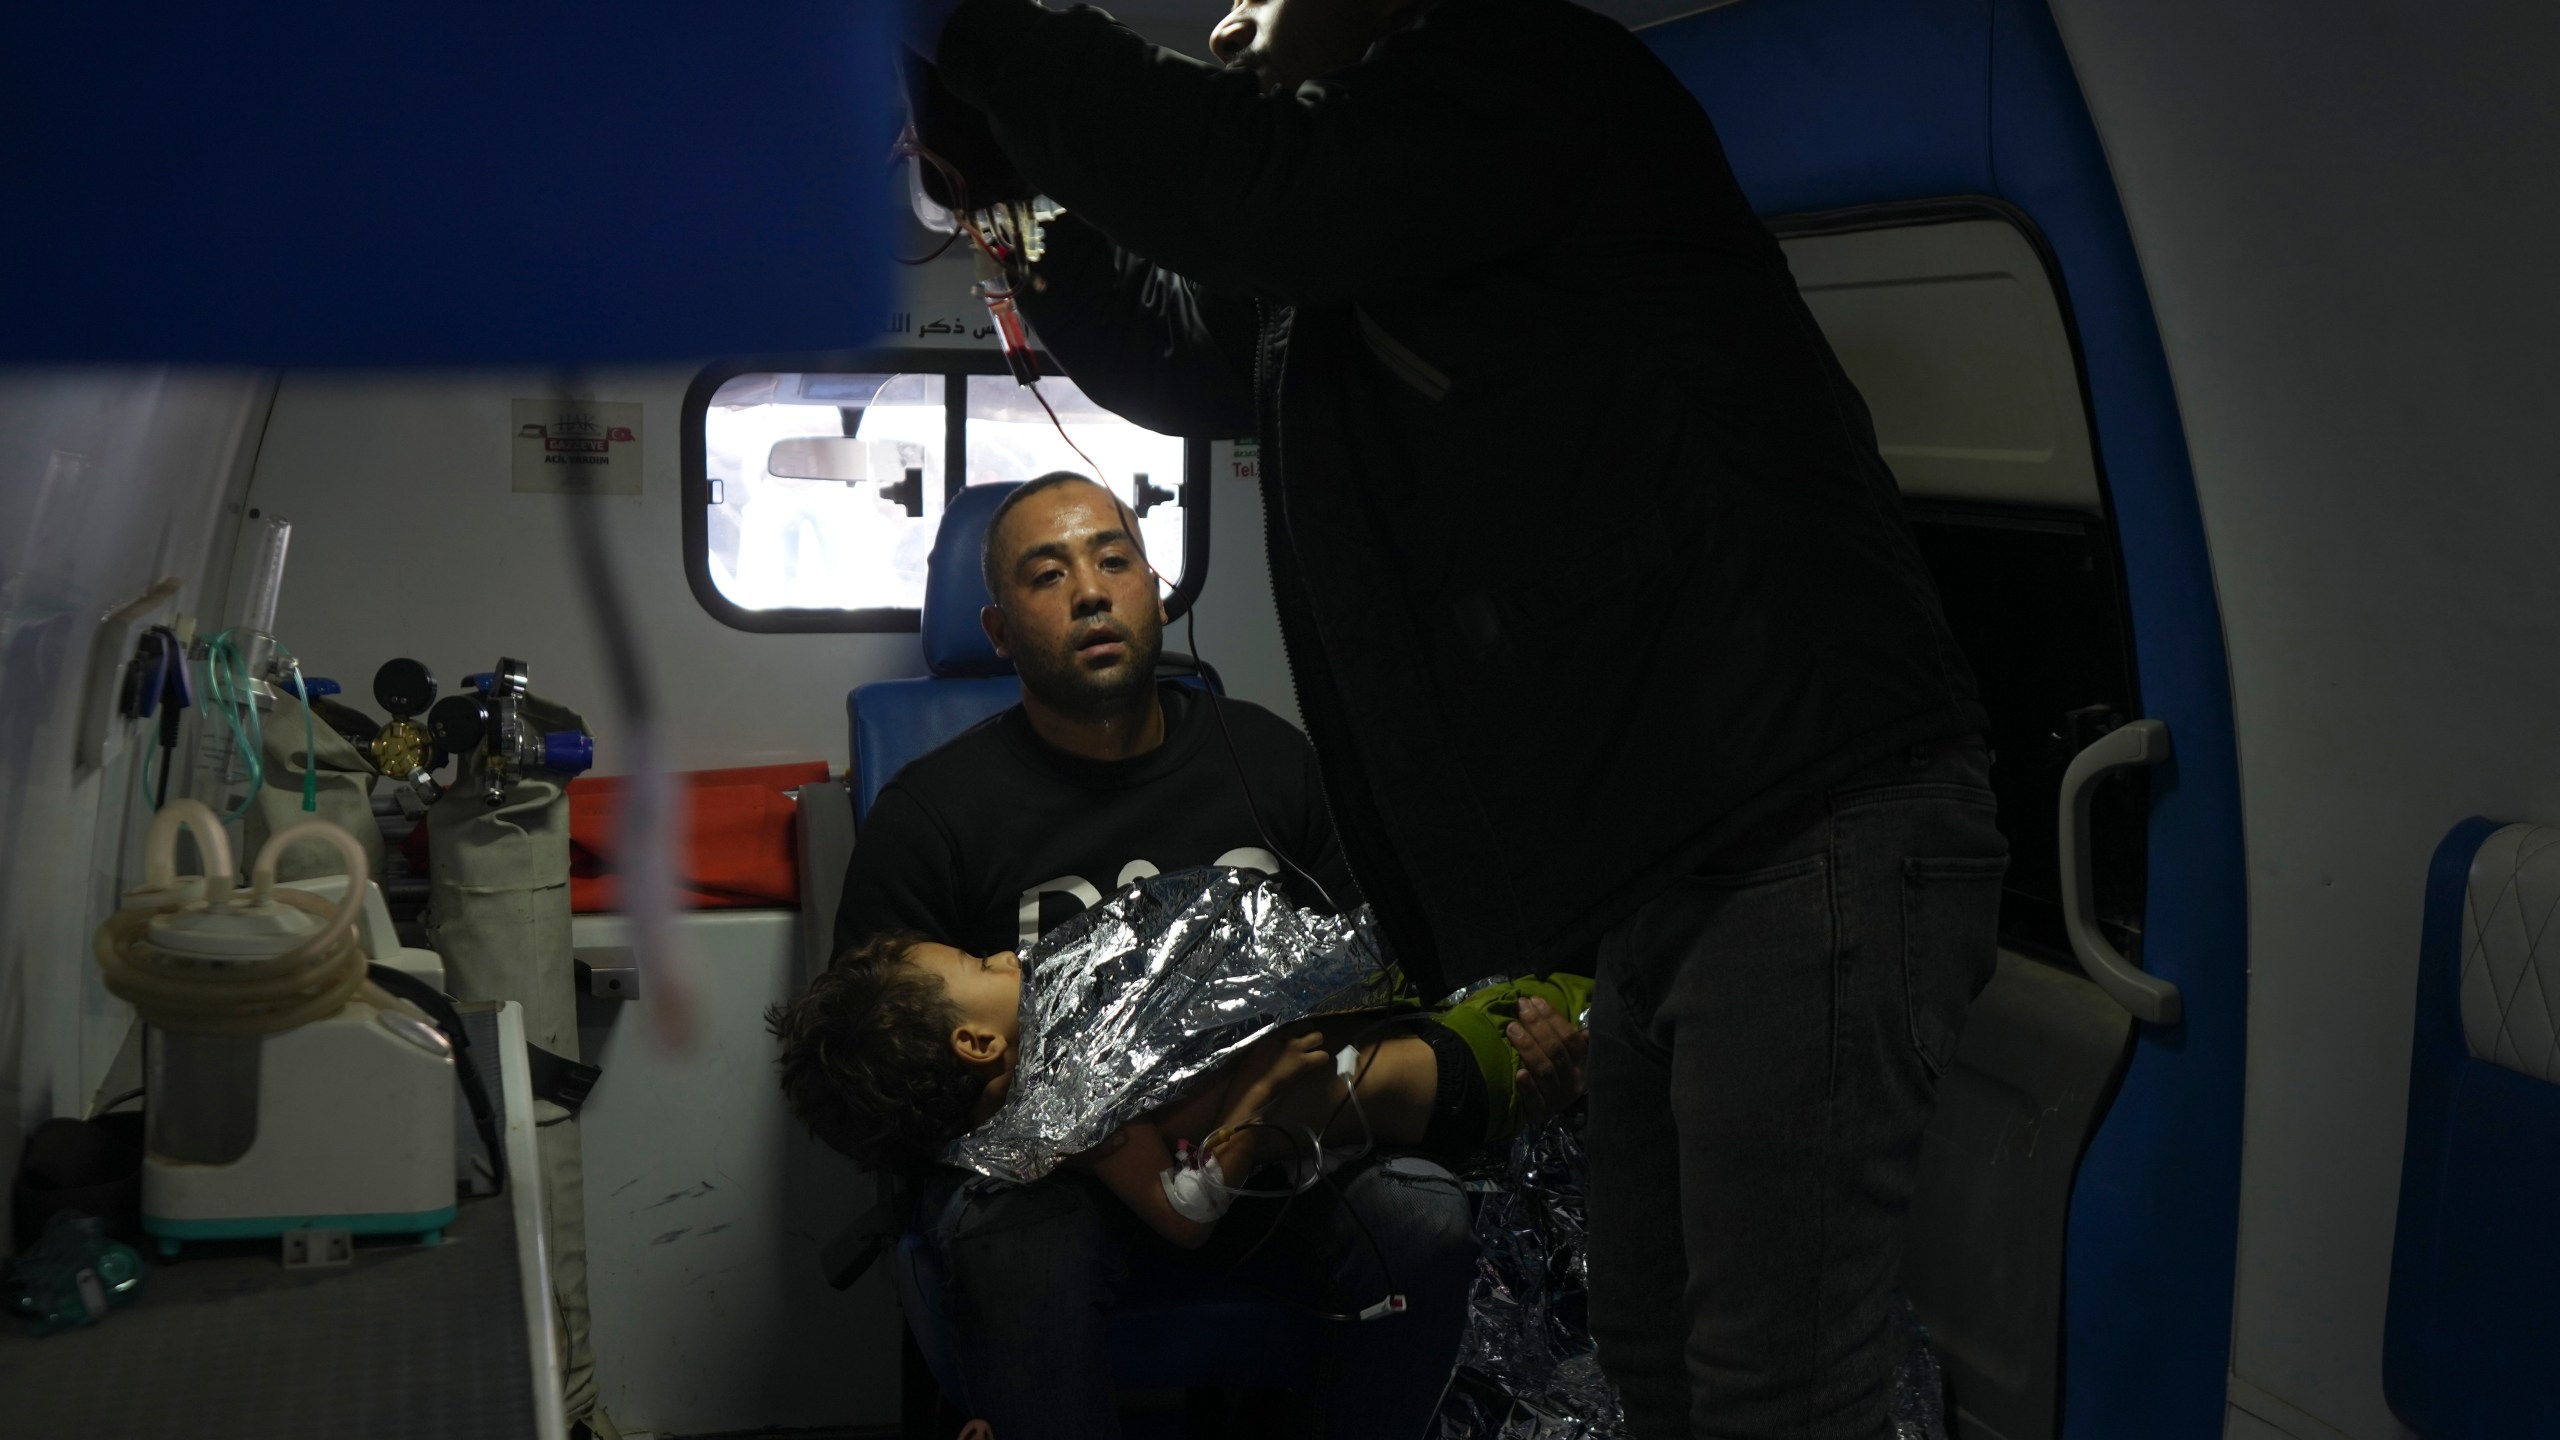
[[318, 1249]]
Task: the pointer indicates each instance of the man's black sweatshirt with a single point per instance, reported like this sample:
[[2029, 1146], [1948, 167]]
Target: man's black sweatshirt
[[1585, 556]]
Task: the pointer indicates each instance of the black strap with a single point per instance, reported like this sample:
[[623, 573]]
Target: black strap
[[562, 1081], [484, 1116], [844, 1259]]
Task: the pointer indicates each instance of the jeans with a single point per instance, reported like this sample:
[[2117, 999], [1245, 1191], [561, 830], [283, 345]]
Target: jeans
[[1766, 1041], [1033, 1271]]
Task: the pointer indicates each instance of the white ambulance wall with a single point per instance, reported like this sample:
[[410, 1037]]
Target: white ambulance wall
[[409, 540], [110, 480], [2345, 217]]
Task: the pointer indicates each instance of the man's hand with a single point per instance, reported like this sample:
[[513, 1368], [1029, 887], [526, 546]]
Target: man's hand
[[1553, 1052]]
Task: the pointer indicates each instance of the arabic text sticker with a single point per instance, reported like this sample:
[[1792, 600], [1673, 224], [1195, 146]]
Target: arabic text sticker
[[577, 447]]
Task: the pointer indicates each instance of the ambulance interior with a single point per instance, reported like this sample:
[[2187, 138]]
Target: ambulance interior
[[2206, 345]]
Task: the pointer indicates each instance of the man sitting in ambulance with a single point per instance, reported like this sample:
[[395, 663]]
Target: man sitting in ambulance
[[1104, 774]]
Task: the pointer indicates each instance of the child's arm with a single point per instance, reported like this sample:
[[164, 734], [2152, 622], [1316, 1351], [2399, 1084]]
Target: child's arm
[[1131, 1165]]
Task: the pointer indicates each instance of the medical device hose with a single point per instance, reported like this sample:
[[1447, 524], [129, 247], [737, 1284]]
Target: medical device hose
[[308, 981], [229, 697]]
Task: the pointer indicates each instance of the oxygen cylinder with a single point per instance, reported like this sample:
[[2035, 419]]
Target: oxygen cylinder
[[498, 912]]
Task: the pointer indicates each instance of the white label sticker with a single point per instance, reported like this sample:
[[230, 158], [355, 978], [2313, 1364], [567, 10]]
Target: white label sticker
[[577, 447]]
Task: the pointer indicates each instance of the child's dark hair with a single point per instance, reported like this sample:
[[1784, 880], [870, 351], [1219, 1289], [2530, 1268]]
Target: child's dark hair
[[867, 1062]]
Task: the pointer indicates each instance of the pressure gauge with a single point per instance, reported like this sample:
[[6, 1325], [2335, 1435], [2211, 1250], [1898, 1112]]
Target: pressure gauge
[[404, 687]]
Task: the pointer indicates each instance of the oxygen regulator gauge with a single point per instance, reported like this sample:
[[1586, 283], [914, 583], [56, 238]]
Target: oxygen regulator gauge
[[458, 723], [404, 687], [404, 750], [490, 725]]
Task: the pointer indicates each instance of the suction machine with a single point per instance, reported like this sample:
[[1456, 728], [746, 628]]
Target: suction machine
[[285, 1090]]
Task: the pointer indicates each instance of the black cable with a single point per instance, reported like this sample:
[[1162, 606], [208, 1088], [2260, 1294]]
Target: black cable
[[1253, 810], [1316, 1311], [910, 147], [1341, 1197], [1377, 1251], [1274, 1228], [168, 748], [168, 762], [1191, 622], [1217, 711], [439, 1010], [936, 253]]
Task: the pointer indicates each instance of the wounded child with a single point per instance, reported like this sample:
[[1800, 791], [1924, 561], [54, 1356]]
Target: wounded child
[[1192, 1039]]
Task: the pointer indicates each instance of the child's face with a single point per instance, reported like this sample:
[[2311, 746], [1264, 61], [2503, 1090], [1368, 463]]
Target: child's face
[[988, 991]]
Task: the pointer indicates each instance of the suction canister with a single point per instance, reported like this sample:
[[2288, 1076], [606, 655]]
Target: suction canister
[[283, 1090]]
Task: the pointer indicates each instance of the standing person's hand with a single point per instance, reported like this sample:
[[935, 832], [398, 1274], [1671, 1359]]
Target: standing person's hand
[[1553, 1054]]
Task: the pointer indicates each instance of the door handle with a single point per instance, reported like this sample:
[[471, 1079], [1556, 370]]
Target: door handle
[[2148, 997]]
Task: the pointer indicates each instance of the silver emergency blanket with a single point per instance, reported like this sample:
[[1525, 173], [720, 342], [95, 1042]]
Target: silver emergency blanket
[[1126, 1006], [1527, 1369]]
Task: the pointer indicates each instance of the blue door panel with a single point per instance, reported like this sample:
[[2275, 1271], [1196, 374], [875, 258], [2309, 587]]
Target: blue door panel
[[1827, 104]]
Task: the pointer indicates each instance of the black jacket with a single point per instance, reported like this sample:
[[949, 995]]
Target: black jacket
[[1584, 554]]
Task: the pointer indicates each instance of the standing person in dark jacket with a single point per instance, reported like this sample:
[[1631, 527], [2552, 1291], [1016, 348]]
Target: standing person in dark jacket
[[1603, 621]]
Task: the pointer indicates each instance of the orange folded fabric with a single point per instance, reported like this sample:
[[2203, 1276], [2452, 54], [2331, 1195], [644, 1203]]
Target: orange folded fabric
[[741, 841]]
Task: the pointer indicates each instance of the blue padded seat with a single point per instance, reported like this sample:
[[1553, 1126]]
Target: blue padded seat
[[2474, 1316], [894, 721], [1218, 1333]]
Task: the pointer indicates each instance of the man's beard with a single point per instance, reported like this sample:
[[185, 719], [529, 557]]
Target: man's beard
[[1057, 676]]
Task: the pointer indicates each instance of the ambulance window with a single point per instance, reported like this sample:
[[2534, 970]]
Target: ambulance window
[[812, 496], [1956, 336], [1011, 438]]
